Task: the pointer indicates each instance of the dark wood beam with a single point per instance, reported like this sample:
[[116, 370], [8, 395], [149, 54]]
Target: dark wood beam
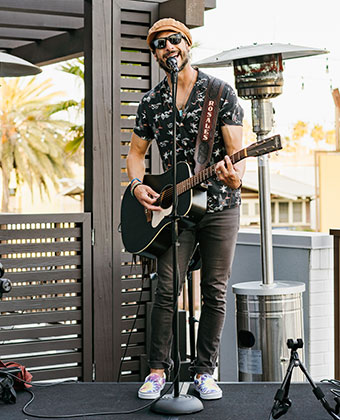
[[9, 44], [48, 7], [26, 34], [39, 21], [190, 12], [210, 4], [67, 45]]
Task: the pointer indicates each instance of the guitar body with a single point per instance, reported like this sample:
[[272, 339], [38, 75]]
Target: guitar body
[[149, 233], [151, 238]]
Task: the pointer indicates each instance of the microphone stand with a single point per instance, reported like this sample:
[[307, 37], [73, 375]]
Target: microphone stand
[[176, 403]]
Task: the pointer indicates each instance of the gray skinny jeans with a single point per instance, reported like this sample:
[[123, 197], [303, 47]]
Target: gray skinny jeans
[[216, 234]]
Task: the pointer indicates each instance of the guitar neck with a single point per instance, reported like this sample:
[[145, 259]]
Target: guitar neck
[[207, 173]]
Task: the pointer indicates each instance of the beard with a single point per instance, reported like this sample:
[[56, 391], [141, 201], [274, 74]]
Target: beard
[[185, 60]]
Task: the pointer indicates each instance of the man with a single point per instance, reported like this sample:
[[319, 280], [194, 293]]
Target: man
[[217, 231]]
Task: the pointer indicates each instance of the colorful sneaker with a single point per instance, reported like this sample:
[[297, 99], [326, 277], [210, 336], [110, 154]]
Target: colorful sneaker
[[152, 387], [207, 387]]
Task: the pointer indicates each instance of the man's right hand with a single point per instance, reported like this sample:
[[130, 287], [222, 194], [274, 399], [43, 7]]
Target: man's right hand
[[147, 197]]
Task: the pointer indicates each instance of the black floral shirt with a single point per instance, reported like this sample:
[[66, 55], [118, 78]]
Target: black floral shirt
[[154, 121]]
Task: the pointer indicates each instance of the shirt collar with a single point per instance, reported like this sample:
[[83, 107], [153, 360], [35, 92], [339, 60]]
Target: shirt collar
[[201, 82]]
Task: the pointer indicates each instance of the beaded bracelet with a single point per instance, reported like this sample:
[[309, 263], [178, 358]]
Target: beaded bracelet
[[134, 187], [135, 179], [133, 184]]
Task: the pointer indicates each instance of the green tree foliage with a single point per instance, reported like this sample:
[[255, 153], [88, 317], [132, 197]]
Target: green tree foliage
[[32, 142], [330, 137], [76, 132], [300, 129], [317, 133]]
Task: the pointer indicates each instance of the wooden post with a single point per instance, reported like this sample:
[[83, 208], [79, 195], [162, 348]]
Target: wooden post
[[102, 21], [336, 256], [336, 98]]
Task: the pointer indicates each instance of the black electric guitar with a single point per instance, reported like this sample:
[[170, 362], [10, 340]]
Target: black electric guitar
[[148, 233]]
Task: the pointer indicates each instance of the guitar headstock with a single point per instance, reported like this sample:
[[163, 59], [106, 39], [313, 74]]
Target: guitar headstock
[[262, 147]]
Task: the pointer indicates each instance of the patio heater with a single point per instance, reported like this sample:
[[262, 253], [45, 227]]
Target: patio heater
[[11, 66], [268, 312]]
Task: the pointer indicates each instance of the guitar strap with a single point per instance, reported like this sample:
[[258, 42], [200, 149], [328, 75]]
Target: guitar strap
[[206, 130]]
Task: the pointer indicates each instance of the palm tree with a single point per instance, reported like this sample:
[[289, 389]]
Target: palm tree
[[76, 132], [32, 141]]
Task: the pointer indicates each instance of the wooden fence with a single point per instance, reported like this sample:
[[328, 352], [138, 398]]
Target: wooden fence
[[46, 319]]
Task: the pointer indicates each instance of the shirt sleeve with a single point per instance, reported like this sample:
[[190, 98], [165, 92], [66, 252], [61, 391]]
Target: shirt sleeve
[[231, 112], [142, 127]]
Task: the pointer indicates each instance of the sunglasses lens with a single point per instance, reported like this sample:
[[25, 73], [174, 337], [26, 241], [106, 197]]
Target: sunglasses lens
[[160, 43], [175, 39]]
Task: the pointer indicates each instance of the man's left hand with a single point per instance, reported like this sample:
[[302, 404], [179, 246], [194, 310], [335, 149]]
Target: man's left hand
[[226, 172]]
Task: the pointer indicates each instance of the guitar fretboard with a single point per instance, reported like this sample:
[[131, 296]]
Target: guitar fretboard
[[206, 173]]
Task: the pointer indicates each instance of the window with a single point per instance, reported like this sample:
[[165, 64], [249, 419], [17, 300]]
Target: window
[[297, 212], [245, 209], [283, 212]]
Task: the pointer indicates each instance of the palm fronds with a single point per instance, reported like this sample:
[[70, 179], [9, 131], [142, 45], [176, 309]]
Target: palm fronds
[[32, 142]]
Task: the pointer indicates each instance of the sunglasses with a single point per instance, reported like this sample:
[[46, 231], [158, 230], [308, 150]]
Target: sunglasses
[[174, 39]]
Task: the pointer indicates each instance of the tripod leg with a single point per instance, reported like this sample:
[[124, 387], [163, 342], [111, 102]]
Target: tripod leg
[[317, 391], [281, 399]]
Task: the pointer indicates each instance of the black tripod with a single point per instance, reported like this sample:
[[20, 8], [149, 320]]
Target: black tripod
[[281, 399]]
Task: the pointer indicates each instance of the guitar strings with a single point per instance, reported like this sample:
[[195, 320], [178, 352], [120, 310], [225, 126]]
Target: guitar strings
[[183, 186], [206, 173]]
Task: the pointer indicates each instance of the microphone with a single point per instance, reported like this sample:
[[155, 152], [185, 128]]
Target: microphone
[[172, 64]]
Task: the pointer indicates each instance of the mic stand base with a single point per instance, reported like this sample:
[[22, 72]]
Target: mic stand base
[[183, 404]]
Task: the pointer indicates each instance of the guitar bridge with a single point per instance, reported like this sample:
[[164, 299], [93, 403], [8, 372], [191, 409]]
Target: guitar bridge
[[148, 215]]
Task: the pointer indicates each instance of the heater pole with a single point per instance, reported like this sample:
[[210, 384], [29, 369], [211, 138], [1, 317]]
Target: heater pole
[[262, 116], [265, 221]]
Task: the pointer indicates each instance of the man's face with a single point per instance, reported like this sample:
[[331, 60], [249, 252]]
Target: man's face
[[179, 51]]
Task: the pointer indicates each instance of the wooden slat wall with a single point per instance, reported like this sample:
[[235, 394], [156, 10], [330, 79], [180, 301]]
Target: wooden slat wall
[[138, 75], [46, 321], [115, 44]]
